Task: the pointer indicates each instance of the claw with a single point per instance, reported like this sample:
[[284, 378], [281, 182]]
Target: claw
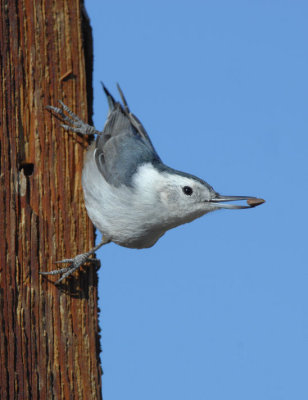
[[66, 260], [75, 263], [69, 111], [55, 271], [78, 126]]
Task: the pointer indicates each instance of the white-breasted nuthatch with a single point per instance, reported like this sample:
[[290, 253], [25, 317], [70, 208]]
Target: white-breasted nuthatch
[[131, 196]]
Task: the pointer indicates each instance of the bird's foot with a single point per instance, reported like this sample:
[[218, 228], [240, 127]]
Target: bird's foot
[[76, 124], [75, 263]]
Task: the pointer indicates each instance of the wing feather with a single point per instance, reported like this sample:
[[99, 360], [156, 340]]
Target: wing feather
[[124, 144]]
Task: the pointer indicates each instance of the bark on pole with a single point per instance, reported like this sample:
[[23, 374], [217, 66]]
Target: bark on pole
[[49, 343]]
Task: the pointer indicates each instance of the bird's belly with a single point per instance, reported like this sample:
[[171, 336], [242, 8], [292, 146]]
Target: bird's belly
[[120, 223], [127, 232], [117, 212]]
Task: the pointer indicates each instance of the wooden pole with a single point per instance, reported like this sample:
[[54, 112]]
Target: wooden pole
[[49, 340]]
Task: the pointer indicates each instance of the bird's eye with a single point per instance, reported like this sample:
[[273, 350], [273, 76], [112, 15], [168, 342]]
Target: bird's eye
[[187, 190]]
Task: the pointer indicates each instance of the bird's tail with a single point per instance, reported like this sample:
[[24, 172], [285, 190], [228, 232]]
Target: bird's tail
[[111, 100]]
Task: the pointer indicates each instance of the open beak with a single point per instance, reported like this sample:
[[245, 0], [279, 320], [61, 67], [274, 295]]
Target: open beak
[[218, 201]]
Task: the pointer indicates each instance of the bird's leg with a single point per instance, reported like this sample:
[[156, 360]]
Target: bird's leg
[[75, 262], [76, 124]]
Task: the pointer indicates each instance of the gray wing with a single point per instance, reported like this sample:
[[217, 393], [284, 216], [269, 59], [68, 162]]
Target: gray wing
[[123, 146]]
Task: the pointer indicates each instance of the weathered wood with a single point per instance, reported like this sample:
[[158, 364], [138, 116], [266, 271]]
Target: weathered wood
[[49, 343]]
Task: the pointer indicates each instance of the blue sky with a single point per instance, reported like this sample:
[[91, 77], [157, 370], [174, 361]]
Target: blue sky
[[217, 309]]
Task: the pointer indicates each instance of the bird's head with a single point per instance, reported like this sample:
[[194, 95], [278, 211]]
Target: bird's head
[[178, 198]]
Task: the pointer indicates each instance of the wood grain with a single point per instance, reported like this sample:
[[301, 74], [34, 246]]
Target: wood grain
[[49, 336]]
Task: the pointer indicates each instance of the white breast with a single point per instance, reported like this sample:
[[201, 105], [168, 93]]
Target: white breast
[[122, 214]]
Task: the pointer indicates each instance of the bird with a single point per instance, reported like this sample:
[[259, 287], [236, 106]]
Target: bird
[[131, 196]]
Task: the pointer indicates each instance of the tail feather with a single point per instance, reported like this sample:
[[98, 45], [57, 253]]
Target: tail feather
[[123, 99], [110, 98], [121, 121]]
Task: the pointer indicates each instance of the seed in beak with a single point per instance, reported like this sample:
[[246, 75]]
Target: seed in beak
[[253, 202]]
